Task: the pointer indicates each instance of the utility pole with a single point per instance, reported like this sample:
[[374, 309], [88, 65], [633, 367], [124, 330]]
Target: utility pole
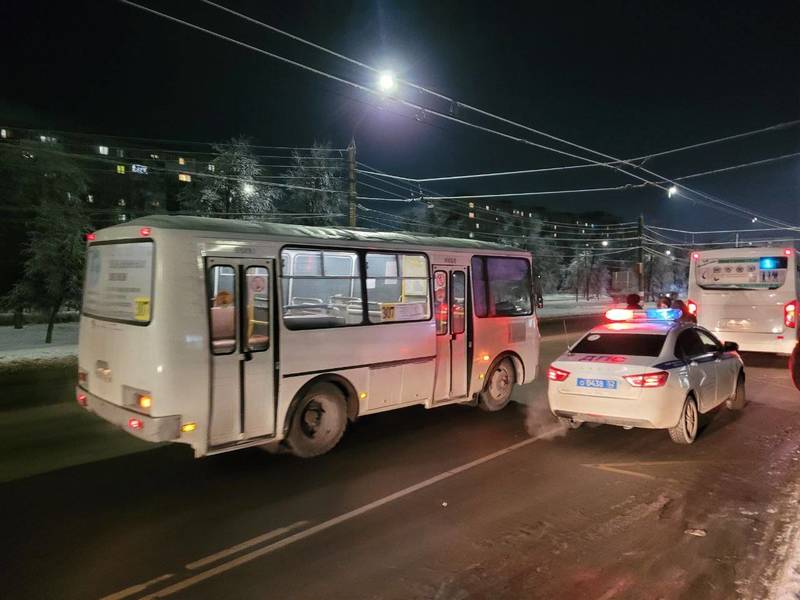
[[641, 253], [351, 182]]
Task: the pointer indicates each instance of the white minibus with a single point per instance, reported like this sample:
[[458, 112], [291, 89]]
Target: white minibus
[[747, 295], [225, 334]]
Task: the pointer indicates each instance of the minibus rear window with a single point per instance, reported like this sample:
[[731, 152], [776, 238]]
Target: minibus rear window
[[742, 273], [119, 282]]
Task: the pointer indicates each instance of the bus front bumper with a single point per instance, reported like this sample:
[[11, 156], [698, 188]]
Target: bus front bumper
[[150, 429]]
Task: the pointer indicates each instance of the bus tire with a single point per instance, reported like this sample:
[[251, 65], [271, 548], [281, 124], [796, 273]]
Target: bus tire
[[794, 365], [739, 399], [318, 421], [498, 387], [685, 432]]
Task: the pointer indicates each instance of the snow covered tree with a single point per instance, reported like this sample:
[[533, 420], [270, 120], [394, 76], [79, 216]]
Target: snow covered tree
[[55, 186], [324, 178], [232, 189]]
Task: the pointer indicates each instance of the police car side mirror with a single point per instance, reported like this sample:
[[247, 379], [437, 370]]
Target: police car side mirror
[[730, 347]]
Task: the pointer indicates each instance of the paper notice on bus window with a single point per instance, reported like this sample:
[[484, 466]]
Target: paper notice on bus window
[[119, 281], [403, 311]]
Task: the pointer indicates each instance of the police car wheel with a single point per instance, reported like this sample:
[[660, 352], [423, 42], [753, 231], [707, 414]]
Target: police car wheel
[[685, 431], [498, 387], [318, 422], [739, 398]]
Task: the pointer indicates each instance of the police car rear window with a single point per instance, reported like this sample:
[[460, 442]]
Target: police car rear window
[[631, 344]]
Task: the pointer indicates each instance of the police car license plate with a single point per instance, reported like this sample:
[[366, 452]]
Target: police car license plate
[[603, 384]]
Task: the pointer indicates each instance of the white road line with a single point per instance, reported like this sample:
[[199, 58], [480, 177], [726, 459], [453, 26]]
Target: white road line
[[135, 589], [301, 535], [239, 547]]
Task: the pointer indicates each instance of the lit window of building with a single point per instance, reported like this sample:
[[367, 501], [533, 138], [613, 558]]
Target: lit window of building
[[472, 205], [103, 150], [472, 215], [477, 225], [212, 167], [181, 160], [90, 199], [3, 133], [120, 153], [154, 156], [472, 235], [185, 177], [121, 202], [121, 169], [487, 207]]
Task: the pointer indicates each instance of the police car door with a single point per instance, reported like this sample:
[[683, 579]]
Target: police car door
[[702, 367]]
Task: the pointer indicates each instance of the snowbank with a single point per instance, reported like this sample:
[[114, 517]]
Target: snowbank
[[27, 344]]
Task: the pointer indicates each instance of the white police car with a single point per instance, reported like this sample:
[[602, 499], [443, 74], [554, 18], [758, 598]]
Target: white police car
[[646, 369]]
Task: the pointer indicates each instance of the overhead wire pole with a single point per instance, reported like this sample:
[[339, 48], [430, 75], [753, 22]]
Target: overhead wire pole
[[641, 255], [352, 196]]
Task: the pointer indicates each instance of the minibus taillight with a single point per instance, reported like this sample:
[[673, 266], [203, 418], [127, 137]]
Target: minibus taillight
[[82, 400], [691, 306], [648, 380], [790, 314], [554, 374], [135, 423]]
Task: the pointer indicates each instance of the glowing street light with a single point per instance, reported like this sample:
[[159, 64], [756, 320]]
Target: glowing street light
[[248, 189], [386, 82], [673, 189], [668, 252], [604, 243]]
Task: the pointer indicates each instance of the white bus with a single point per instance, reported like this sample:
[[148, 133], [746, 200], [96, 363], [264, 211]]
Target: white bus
[[747, 295], [224, 334]]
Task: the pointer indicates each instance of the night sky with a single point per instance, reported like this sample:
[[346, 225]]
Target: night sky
[[626, 78]]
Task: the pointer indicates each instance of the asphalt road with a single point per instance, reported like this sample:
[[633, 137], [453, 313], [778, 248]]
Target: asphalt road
[[444, 504]]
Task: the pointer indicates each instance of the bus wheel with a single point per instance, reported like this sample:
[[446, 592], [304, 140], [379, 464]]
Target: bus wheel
[[318, 422], [499, 385]]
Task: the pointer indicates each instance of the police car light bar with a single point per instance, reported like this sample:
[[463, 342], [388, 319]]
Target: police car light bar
[[649, 314]]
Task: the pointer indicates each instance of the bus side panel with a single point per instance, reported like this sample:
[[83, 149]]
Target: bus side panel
[[495, 335]]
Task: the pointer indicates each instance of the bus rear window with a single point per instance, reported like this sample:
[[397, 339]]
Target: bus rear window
[[742, 273], [119, 282], [628, 344]]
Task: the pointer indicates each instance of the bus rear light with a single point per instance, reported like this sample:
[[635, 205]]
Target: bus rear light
[[790, 314], [788, 251], [135, 423], [90, 237], [695, 255], [145, 232], [188, 427], [486, 358], [648, 380], [144, 400], [555, 374], [82, 400], [691, 306]]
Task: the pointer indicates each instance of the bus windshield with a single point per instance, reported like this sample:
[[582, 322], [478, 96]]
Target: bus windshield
[[742, 273]]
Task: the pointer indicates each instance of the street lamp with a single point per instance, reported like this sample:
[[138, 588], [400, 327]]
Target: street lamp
[[673, 189], [604, 243], [668, 252], [248, 189], [386, 82]]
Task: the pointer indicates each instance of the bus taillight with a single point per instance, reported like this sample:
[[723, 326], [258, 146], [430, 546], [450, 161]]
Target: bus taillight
[[691, 306], [790, 314]]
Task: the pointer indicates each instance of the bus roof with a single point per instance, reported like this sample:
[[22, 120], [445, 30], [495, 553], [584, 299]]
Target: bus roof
[[308, 232]]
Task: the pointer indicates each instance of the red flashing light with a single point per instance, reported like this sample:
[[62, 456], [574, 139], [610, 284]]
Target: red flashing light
[[648, 380], [135, 423], [695, 255], [90, 237], [82, 400], [691, 306], [554, 374], [788, 251], [619, 314], [790, 314], [145, 232]]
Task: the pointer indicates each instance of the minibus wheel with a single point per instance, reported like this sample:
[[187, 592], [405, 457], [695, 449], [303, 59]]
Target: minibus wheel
[[498, 387], [318, 421]]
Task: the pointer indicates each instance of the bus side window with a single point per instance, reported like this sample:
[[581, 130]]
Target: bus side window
[[257, 333], [458, 301], [440, 305], [222, 288]]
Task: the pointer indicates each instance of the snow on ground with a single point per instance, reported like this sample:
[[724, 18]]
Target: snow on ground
[[562, 305], [28, 343]]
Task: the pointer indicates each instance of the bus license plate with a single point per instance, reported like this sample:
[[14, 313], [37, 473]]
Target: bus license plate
[[603, 384]]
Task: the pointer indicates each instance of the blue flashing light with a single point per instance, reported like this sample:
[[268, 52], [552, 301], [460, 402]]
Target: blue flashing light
[[768, 263], [663, 314]]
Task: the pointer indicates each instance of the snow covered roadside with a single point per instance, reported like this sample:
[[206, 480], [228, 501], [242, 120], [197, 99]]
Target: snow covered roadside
[[21, 346], [786, 581], [564, 305]]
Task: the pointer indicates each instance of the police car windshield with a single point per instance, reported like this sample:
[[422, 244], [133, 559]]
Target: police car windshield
[[630, 344]]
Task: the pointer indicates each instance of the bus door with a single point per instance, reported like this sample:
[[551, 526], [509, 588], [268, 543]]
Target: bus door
[[240, 296], [452, 332]]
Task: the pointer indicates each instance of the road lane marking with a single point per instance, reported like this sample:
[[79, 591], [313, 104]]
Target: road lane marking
[[617, 467], [301, 535], [247, 544], [135, 589]]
